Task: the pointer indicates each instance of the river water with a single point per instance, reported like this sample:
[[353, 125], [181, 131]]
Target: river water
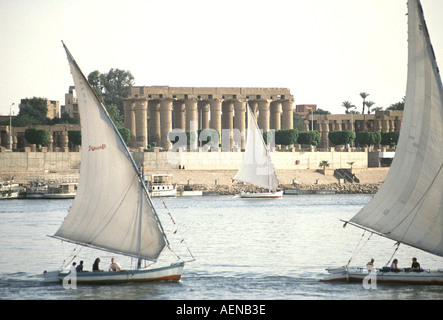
[[244, 249]]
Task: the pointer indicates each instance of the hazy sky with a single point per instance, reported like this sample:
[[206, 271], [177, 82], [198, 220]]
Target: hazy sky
[[324, 51]]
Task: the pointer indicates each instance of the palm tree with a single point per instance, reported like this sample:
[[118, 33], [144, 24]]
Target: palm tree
[[324, 164], [364, 95], [348, 105], [369, 104]]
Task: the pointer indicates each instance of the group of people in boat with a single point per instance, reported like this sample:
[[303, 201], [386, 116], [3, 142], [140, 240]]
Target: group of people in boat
[[114, 266], [415, 266]]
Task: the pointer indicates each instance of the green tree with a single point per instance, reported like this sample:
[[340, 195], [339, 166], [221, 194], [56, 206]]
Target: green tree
[[341, 137], [369, 104], [324, 164], [32, 111], [368, 138], [39, 137], [125, 134], [348, 105], [309, 137], [389, 138], [112, 87], [364, 95], [65, 118], [75, 137], [397, 106], [115, 115], [321, 111], [286, 137]]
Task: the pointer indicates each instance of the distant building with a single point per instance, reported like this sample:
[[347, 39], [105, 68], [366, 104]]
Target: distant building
[[53, 109], [304, 109], [71, 104]]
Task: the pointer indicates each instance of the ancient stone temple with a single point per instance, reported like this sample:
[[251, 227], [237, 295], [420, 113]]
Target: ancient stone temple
[[192, 108]]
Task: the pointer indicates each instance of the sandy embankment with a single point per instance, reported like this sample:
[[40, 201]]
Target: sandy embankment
[[221, 180]]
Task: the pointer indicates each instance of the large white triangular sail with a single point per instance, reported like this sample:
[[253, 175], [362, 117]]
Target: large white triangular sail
[[409, 205], [257, 168], [112, 209]]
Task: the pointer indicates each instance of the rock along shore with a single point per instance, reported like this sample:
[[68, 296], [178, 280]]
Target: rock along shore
[[220, 181]]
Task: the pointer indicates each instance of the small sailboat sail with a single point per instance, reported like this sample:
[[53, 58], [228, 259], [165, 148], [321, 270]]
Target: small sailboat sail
[[408, 208], [257, 168], [112, 210]]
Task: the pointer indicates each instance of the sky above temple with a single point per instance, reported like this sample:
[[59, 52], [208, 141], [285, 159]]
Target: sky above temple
[[324, 51]]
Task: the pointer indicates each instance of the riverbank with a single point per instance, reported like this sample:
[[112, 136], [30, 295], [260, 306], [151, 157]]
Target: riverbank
[[220, 181]]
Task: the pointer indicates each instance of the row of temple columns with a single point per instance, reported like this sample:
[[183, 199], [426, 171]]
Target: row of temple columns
[[167, 114]]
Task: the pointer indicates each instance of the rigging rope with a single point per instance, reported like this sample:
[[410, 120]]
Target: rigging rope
[[177, 232], [73, 255], [397, 244], [358, 244]]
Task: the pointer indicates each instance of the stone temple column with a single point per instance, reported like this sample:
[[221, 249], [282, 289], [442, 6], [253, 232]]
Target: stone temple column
[[227, 120], [203, 107], [64, 143], [239, 120], [275, 115], [129, 112], [191, 112], [215, 122], [253, 104], [287, 117], [263, 115], [324, 132], [166, 122], [154, 122], [179, 114], [384, 125], [141, 123]]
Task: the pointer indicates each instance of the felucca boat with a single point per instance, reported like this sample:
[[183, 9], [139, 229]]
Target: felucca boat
[[112, 210], [257, 168], [408, 208]]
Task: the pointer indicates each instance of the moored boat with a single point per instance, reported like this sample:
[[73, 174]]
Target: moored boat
[[161, 185], [10, 190]]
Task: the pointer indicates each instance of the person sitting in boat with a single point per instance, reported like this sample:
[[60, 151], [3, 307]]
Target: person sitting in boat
[[95, 267], [415, 265], [79, 268], [370, 265], [114, 266], [394, 266]]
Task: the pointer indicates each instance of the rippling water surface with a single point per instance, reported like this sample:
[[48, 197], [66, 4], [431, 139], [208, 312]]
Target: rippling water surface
[[245, 249]]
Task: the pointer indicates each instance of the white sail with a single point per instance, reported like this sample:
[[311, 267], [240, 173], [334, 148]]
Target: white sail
[[409, 205], [112, 210], [257, 168]]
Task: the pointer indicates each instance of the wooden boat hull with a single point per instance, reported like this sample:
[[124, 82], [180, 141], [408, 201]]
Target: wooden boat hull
[[169, 273], [424, 277], [262, 195]]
